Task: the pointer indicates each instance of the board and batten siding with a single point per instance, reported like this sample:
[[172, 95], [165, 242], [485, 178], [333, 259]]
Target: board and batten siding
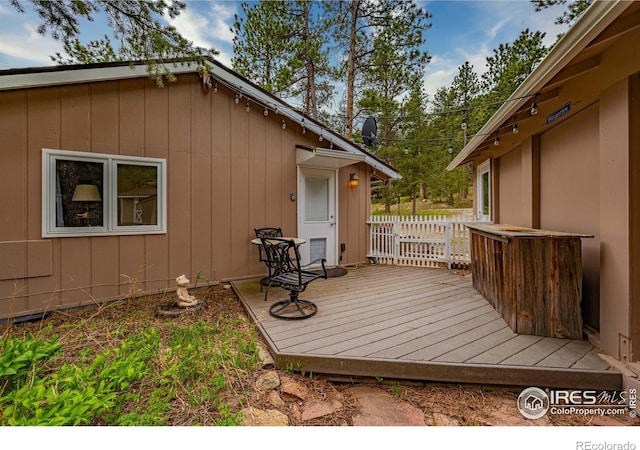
[[228, 171]]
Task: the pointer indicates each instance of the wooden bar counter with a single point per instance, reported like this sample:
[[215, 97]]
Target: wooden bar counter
[[533, 278]]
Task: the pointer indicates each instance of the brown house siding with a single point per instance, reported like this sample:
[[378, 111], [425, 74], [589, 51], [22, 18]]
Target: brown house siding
[[228, 171], [570, 195], [510, 193]]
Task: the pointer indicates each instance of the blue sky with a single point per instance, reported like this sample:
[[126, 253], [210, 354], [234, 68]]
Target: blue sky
[[461, 31]]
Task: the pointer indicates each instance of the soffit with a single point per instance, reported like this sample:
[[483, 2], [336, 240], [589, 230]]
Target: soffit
[[326, 158]]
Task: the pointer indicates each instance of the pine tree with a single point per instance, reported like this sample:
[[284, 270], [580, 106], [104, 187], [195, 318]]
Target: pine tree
[[280, 46], [367, 33], [260, 44], [136, 26], [508, 67], [572, 13]]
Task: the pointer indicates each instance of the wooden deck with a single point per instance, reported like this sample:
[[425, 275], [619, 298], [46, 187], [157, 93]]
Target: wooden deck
[[418, 324]]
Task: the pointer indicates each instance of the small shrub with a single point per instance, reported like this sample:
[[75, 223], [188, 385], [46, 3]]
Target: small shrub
[[72, 395]]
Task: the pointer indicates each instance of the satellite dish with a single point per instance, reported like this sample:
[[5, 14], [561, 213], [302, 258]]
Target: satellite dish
[[370, 132]]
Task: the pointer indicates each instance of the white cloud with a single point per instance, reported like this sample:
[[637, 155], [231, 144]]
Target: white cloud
[[494, 23], [224, 58], [193, 27], [28, 44], [516, 16], [223, 15], [208, 25], [439, 73]]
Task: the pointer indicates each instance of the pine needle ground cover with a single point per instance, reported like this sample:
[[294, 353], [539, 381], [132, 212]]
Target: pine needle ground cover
[[119, 364]]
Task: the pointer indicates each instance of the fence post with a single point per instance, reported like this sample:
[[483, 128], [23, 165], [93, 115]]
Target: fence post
[[395, 242], [447, 243]]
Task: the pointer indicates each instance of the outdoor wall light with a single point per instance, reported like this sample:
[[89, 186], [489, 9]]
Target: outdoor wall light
[[353, 180]]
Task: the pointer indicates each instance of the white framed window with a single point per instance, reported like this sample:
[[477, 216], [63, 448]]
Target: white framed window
[[95, 194], [483, 183]]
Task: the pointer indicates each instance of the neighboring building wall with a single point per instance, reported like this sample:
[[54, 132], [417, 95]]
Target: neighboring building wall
[[510, 189], [634, 212], [581, 182], [570, 195], [229, 171], [614, 220], [581, 174]]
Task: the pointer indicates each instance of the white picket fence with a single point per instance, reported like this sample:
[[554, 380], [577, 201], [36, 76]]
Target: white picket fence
[[423, 241]]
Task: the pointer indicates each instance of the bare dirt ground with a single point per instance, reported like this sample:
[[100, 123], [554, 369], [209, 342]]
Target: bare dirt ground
[[440, 404]]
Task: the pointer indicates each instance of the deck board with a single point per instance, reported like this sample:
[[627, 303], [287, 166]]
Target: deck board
[[505, 350], [417, 323], [535, 353], [377, 326], [567, 356], [472, 349]]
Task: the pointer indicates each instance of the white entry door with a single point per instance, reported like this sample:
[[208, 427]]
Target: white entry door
[[317, 215]]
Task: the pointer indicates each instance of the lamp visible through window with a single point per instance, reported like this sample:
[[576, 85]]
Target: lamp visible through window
[[87, 193]]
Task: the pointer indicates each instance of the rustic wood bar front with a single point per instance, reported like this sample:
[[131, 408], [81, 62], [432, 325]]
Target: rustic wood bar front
[[533, 278]]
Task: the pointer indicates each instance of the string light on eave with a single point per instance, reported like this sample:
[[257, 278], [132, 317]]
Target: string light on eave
[[514, 128], [496, 141], [463, 125], [534, 107], [266, 112], [284, 124], [247, 108], [450, 148], [237, 99], [304, 129], [321, 138]]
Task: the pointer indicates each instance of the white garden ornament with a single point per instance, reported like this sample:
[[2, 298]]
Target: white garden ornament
[[185, 300]]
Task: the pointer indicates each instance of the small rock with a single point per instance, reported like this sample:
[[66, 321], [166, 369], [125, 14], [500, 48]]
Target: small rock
[[315, 408], [274, 399], [505, 413], [226, 286], [265, 356], [295, 411], [253, 417], [294, 389], [378, 408], [442, 420], [268, 381]]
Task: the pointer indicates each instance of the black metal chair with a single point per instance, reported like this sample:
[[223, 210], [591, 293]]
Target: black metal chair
[[266, 233], [283, 255]]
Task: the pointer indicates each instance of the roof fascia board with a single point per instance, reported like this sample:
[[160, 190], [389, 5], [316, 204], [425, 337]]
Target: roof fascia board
[[61, 77], [599, 15]]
